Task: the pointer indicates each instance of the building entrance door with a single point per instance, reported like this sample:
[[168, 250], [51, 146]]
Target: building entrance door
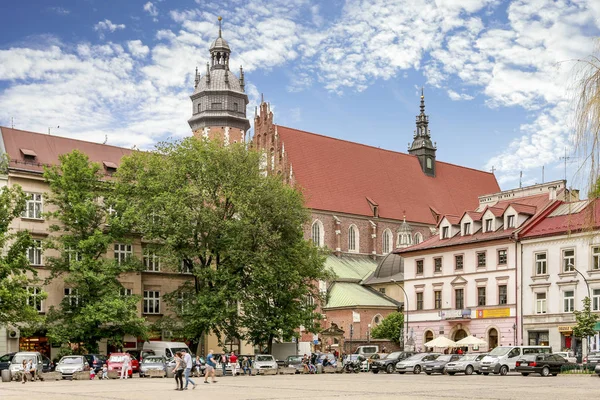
[[492, 339], [459, 334]]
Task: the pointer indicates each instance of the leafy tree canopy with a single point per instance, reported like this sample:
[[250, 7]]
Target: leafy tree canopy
[[586, 320], [391, 328]]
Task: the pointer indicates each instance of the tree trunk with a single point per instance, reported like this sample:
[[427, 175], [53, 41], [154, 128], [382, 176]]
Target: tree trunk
[[270, 344]]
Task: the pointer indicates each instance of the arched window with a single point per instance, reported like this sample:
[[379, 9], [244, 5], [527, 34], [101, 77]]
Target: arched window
[[418, 237], [318, 233], [404, 239], [387, 241], [353, 239], [376, 320]]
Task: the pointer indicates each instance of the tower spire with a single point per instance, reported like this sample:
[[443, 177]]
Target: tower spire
[[422, 101], [422, 146], [220, 19]]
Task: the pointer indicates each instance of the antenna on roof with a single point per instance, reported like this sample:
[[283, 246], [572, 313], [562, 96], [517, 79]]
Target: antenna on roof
[[49, 129], [105, 139]]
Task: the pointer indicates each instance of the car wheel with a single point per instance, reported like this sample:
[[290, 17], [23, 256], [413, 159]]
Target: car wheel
[[389, 369], [545, 371], [503, 370], [428, 373], [451, 373], [375, 371], [402, 373], [417, 369], [486, 373], [469, 370], [525, 373]]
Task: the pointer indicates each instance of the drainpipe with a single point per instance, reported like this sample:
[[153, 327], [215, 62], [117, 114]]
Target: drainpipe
[[517, 300]]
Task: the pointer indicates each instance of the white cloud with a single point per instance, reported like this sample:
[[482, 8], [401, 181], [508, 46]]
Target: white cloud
[[455, 96], [151, 9], [59, 10], [137, 48], [107, 26]]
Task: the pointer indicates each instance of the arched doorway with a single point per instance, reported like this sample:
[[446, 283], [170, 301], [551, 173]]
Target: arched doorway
[[492, 338], [459, 334], [428, 337]]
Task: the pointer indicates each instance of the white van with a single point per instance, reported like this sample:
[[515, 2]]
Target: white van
[[367, 351], [503, 358], [166, 349]]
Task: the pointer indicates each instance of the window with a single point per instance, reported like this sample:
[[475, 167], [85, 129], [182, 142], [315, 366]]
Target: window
[[429, 163], [437, 295], [459, 298], [568, 260], [540, 303], [445, 230], [458, 262], [215, 106], [151, 261], [199, 107], [510, 221], [33, 206], [71, 296], [125, 292], [481, 298], [596, 300], [387, 241], [539, 338], [382, 290], [502, 294], [317, 233], [73, 255], [184, 300], [187, 266], [35, 298], [467, 228], [540, 264], [481, 259], [352, 239], [437, 265], [568, 301], [34, 253], [502, 257], [418, 238], [123, 252], [235, 106], [488, 225], [419, 267], [419, 301], [151, 302], [596, 258]]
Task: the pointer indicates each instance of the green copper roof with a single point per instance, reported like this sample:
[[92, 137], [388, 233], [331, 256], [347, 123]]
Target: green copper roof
[[351, 267], [348, 294]]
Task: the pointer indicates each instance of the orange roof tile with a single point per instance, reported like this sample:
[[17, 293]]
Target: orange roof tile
[[584, 219]]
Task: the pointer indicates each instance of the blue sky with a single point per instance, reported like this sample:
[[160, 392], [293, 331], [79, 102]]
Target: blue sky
[[497, 74]]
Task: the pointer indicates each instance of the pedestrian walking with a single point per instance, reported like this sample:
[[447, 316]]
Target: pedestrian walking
[[210, 367], [125, 366], [187, 358], [178, 371], [224, 363], [233, 359]]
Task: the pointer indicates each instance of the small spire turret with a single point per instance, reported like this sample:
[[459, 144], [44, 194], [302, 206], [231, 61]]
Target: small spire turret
[[196, 79], [242, 83], [422, 146]]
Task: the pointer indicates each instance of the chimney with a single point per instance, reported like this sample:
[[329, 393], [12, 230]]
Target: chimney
[[552, 192]]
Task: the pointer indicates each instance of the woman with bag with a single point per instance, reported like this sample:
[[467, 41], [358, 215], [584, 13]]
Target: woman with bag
[[178, 371]]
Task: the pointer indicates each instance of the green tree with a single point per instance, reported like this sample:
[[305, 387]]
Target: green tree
[[391, 328], [586, 321], [237, 231], [96, 306], [15, 271]]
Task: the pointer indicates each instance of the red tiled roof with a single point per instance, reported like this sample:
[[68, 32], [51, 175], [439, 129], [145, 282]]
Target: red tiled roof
[[497, 211], [524, 208], [47, 148], [435, 242], [453, 219], [587, 218], [337, 175], [475, 216]]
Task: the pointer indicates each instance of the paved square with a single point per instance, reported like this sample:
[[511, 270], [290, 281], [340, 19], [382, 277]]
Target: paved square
[[322, 387]]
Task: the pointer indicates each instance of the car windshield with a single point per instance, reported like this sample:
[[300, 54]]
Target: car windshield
[[444, 358], [118, 359], [431, 357], [469, 357], [294, 358], [416, 357], [153, 360], [19, 358], [500, 351], [70, 360], [394, 355], [264, 358]]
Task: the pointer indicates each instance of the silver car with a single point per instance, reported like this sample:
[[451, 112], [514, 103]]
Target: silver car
[[16, 363], [153, 363], [265, 361], [68, 365], [467, 364], [415, 363]]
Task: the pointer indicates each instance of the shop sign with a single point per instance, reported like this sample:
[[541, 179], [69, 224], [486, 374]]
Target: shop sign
[[494, 313], [565, 329], [455, 314]]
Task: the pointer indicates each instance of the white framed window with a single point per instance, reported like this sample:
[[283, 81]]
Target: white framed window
[[488, 225], [596, 258], [35, 298], [596, 300], [459, 298], [151, 302], [502, 294], [125, 292], [419, 301], [510, 221], [445, 232], [318, 233], [187, 266], [151, 261], [184, 299], [568, 301], [34, 206], [420, 264], [481, 296], [481, 259], [458, 262], [353, 238], [73, 255], [34, 253], [540, 303], [72, 298], [437, 264], [418, 237], [387, 241], [467, 228], [568, 260], [541, 266], [502, 257], [123, 252]]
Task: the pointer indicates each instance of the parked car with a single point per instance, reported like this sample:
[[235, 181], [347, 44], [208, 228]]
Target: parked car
[[367, 351], [68, 365], [388, 363], [467, 364], [366, 364], [597, 369], [415, 363], [47, 364], [95, 361], [543, 364], [438, 366], [115, 362], [567, 355], [592, 359], [16, 363], [167, 349], [330, 358], [141, 354], [503, 358], [264, 361], [294, 362], [5, 360], [153, 363]]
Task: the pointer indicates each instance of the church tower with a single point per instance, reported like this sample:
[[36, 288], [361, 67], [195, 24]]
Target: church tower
[[219, 99], [422, 147]]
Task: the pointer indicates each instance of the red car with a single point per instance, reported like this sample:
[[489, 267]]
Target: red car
[[115, 361]]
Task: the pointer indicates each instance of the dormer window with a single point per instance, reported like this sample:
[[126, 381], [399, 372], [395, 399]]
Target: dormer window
[[110, 167], [488, 225], [28, 155], [467, 228], [445, 231], [510, 221]]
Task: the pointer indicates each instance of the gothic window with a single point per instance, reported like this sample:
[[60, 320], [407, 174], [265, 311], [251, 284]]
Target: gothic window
[[318, 233], [404, 239], [387, 241], [353, 239], [418, 237]]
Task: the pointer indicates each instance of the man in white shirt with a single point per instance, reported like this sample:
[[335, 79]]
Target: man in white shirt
[[187, 358], [125, 366]]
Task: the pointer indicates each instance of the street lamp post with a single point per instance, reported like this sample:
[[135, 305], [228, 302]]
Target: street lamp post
[[405, 308]]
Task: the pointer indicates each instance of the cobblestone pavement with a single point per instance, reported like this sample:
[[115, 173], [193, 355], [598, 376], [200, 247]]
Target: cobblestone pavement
[[322, 387]]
